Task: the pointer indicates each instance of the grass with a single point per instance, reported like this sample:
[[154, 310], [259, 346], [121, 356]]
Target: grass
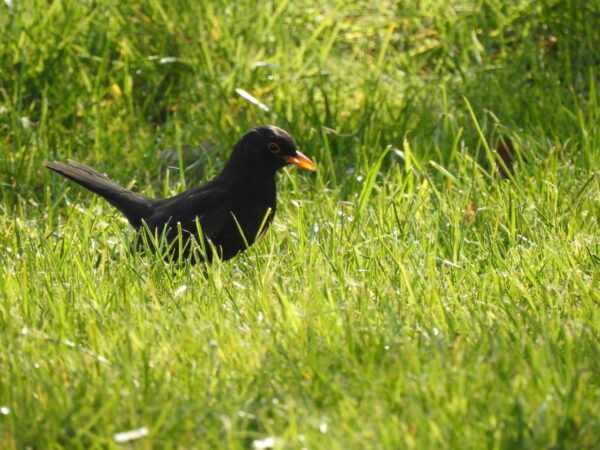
[[407, 295]]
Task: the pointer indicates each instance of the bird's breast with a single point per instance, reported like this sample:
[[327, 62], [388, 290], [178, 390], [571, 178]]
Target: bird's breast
[[253, 212]]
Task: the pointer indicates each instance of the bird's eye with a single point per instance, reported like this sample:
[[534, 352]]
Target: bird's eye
[[273, 147]]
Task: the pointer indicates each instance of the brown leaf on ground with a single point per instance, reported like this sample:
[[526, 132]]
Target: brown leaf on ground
[[470, 214], [505, 156]]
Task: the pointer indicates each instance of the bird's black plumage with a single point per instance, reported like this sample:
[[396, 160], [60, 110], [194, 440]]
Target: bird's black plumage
[[229, 211]]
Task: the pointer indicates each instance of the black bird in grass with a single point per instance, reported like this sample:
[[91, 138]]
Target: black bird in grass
[[228, 212]]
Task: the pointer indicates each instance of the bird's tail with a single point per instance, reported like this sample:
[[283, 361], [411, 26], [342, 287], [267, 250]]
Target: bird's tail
[[135, 207]]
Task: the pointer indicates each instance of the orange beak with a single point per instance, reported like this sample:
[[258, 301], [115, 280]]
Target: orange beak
[[301, 161]]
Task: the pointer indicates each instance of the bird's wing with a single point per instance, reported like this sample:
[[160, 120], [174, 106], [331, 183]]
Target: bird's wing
[[207, 204]]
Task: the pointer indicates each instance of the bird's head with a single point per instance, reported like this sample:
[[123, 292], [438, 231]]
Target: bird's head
[[268, 148]]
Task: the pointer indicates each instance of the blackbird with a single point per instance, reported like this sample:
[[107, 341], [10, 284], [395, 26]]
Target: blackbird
[[224, 216]]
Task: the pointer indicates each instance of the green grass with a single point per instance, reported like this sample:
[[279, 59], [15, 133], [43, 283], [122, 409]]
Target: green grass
[[406, 296]]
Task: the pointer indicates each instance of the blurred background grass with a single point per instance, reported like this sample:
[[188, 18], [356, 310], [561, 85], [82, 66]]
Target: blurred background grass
[[113, 81]]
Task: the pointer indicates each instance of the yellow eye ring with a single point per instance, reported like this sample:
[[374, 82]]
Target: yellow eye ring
[[273, 147]]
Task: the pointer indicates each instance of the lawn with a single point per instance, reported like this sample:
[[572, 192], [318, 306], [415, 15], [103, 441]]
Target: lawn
[[435, 284]]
